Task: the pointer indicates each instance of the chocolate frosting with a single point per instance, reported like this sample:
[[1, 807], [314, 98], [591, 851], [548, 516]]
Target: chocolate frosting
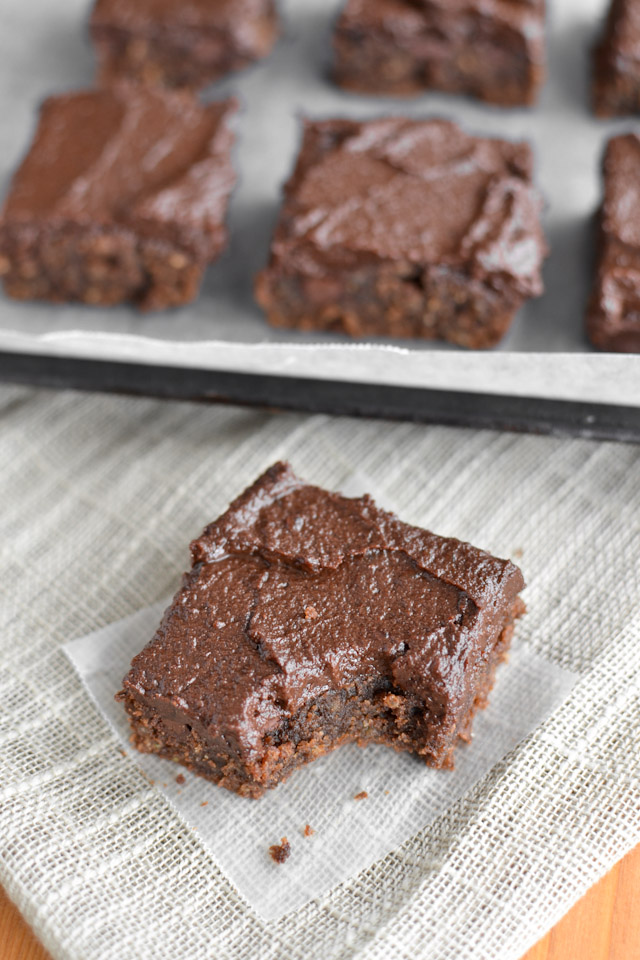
[[129, 155], [295, 591], [413, 19], [417, 191], [136, 15]]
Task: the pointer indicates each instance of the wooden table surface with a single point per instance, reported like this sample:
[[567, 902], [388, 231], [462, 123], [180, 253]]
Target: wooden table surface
[[604, 925]]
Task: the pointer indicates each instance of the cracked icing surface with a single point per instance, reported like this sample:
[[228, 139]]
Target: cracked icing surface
[[296, 592], [622, 31], [416, 191]]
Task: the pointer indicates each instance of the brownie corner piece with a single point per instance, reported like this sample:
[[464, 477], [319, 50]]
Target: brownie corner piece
[[309, 620], [493, 51], [179, 44], [613, 317], [615, 83], [405, 228], [121, 197]]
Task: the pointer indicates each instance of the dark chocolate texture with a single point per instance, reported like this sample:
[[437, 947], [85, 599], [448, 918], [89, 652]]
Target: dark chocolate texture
[[613, 320], [242, 685], [616, 62], [122, 196], [490, 49], [405, 228], [180, 43]]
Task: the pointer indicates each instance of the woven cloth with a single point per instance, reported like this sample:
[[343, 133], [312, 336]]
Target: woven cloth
[[100, 497]]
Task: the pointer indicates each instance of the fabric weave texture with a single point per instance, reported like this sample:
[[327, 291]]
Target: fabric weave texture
[[100, 498]]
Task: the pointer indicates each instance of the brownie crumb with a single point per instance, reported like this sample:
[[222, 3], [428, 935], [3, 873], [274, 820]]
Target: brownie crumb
[[308, 831], [517, 553], [280, 852], [310, 613], [361, 796], [180, 779], [204, 803]]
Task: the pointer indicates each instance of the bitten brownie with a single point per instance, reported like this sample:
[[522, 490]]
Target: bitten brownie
[[180, 43], [490, 49], [122, 197], [309, 620], [616, 61], [405, 228], [613, 320]]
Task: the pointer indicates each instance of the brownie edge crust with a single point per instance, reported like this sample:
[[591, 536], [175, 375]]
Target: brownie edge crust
[[309, 620]]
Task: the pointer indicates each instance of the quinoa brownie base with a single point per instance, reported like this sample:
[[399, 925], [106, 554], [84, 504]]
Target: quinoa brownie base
[[181, 46], [392, 300], [308, 621], [121, 197], [405, 228], [493, 50]]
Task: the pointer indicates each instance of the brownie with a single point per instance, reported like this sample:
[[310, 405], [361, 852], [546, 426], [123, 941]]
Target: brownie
[[405, 228], [280, 852], [309, 620], [490, 49], [613, 320], [178, 43], [121, 197], [616, 61]]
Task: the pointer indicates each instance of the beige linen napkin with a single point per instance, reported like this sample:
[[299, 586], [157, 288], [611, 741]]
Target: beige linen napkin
[[100, 497]]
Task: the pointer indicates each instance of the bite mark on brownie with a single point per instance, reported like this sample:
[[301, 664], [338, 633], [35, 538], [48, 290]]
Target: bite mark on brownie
[[403, 651]]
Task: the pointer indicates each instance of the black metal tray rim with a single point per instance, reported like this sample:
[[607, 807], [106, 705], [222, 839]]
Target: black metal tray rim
[[593, 378]]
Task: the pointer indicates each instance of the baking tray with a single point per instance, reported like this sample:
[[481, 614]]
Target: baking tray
[[544, 376]]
